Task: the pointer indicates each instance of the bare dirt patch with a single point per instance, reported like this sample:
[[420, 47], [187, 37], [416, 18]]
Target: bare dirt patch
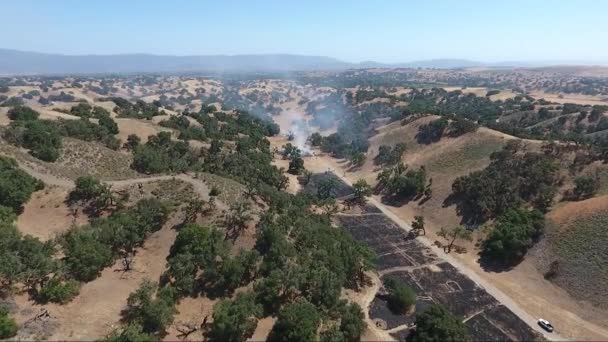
[[46, 214], [96, 310], [191, 311], [138, 127]]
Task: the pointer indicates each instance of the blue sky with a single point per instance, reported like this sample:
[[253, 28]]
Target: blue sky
[[385, 31]]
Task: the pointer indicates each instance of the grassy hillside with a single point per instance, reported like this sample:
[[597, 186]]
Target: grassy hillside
[[79, 158], [576, 246], [444, 161]]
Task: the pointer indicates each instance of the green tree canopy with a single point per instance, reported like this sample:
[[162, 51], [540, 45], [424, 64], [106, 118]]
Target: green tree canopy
[[401, 298], [151, 308], [513, 234], [235, 319], [436, 323], [16, 186], [296, 322]]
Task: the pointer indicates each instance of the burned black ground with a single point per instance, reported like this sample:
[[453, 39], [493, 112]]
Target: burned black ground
[[434, 281]]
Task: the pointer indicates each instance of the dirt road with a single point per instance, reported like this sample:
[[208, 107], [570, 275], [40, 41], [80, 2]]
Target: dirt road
[[199, 186], [491, 289]]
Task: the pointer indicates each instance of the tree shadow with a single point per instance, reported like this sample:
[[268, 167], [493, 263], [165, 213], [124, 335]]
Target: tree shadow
[[424, 200], [493, 265], [469, 216]]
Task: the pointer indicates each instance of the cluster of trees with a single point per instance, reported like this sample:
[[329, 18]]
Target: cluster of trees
[[25, 259], [298, 267], [401, 299], [91, 194], [161, 154], [454, 103], [390, 155], [217, 125], [341, 146], [86, 130], [138, 110], [13, 101], [8, 326], [149, 310], [200, 261], [22, 258], [85, 110], [400, 182], [186, 130], [433, 131], [235, 319], [512, 179], [296, 163], [44, 137], [16, 186], [62, 97], [355, 124], [436, 323], [247, 161], [361, 190], [305, 263], [41, 137], [436, 129], [22, 113], [585, 187], [512, 234], [89, 249]]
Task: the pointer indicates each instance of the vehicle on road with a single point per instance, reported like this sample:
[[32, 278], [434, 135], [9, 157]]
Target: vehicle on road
[[545, 324]]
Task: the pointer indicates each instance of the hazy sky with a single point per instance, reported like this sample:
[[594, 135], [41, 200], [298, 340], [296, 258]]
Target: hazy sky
[[385, 31]]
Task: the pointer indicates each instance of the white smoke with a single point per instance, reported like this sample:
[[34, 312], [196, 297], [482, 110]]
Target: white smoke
[[299, 129]]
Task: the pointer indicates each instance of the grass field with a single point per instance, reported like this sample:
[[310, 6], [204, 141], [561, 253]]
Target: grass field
[[603, 175], [580, 248], [462, 159], [230, 190], [79, 158]]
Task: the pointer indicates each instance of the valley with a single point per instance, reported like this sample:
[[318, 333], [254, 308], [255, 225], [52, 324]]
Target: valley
[[205, 202]]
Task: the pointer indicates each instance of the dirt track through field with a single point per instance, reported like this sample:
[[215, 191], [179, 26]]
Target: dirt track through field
[[199, 186]]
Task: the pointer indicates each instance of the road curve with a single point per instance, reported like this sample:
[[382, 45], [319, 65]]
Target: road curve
[[199, 186]]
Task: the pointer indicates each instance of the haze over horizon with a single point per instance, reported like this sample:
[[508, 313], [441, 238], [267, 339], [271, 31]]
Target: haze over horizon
[[383, 31]]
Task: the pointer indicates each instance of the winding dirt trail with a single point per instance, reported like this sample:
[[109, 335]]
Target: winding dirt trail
[[199, 186]]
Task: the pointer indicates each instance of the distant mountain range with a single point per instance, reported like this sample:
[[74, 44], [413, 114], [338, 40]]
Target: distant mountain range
[[14, 62]]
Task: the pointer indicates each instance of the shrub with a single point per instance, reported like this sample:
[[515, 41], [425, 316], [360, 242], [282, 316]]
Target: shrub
[[85, 255], [436, 323], [214, 192], [513, 234], [131, 333], [401, 298], [132, 141], [510, 179], [296, 322], [22, 113], [16, 186], [13, 102], [460, 127], [8, 327], [57, 291], [150, 307], [584, 187], [235, 320], [432, 132]]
